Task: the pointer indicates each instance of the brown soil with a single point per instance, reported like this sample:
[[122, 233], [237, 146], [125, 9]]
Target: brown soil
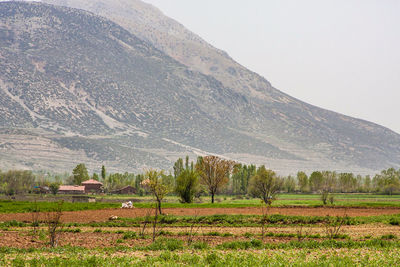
[[354, 231], [22, 239], [104, 215]]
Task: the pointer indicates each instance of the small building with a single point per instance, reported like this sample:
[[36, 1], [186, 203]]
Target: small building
[[92, 186], [127, 190], [41, 189], [71, 189]]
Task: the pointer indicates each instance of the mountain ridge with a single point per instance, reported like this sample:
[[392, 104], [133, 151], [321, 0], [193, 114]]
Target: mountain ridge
[[137, 104]]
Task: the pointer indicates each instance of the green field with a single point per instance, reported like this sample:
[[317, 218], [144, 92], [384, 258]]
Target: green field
[[218, 240], [104, 202], [166, 252], [9, 206]]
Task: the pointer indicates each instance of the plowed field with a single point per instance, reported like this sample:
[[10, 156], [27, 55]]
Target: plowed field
[[104, 215]]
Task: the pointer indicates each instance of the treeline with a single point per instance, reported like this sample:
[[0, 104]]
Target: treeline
[[213, 176], [386, 182]]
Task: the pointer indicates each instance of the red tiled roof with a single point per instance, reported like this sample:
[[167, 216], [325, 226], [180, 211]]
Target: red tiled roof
[[91, 181], [71, 188]]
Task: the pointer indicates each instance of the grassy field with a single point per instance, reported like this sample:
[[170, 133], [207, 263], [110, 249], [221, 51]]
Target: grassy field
[[113, 201], [9, 206], [208, 239], [168, 252]]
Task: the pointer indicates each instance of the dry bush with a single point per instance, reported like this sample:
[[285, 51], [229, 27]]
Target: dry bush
[[324, 197], [35, 219], [194, 229], [333, 225], [301, 233], [54, 224], [147, 221]]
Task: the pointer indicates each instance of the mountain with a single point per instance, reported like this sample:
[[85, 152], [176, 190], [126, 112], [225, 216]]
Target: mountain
[[131, 89]]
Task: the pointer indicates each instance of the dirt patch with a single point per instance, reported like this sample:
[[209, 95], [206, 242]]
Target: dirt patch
[[103, 215], [22, 239], [109, 237]]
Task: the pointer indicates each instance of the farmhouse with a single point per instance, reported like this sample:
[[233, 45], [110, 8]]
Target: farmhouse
[[71, 189], [125, 190], [92, 186]]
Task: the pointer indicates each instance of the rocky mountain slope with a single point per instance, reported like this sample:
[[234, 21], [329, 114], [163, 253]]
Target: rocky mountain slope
[[76, 87]]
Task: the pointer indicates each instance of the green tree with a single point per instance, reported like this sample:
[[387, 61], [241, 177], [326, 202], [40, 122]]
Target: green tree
[[316, 181], [367, 184], [158, 184], [240, 178], [80, 174], [187, 185], [329, 181], [388, 181], [138, 180], [178, 167], [289, 184], [17, 181], [265, 185], [302, 179], [103, 173], [54, 188], [95, 176], [347, 182]]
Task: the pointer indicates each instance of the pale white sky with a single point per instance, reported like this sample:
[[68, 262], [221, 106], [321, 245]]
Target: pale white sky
[[342, 55]]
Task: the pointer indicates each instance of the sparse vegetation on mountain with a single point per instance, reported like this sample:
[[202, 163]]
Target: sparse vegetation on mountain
[[78, 87]]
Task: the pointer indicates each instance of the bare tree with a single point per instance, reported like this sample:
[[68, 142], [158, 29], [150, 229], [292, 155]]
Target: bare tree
[[214, 173], [35, 218], [54, 224], [147, 220], [333, 225], [300, 233], [193, 230]]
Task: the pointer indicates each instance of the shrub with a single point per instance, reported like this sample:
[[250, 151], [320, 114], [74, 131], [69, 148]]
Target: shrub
[[254, 243], [248, 235], [227, 234], [187, 185], [166, 244], [129, 235], [166, 219], [200, 245], [213, 233], [76, 230], [13, 223], [389, 236], [212, 259], [394, 221], [163, 232]]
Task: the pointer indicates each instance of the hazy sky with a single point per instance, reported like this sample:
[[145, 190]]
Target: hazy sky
[[342, 55]]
